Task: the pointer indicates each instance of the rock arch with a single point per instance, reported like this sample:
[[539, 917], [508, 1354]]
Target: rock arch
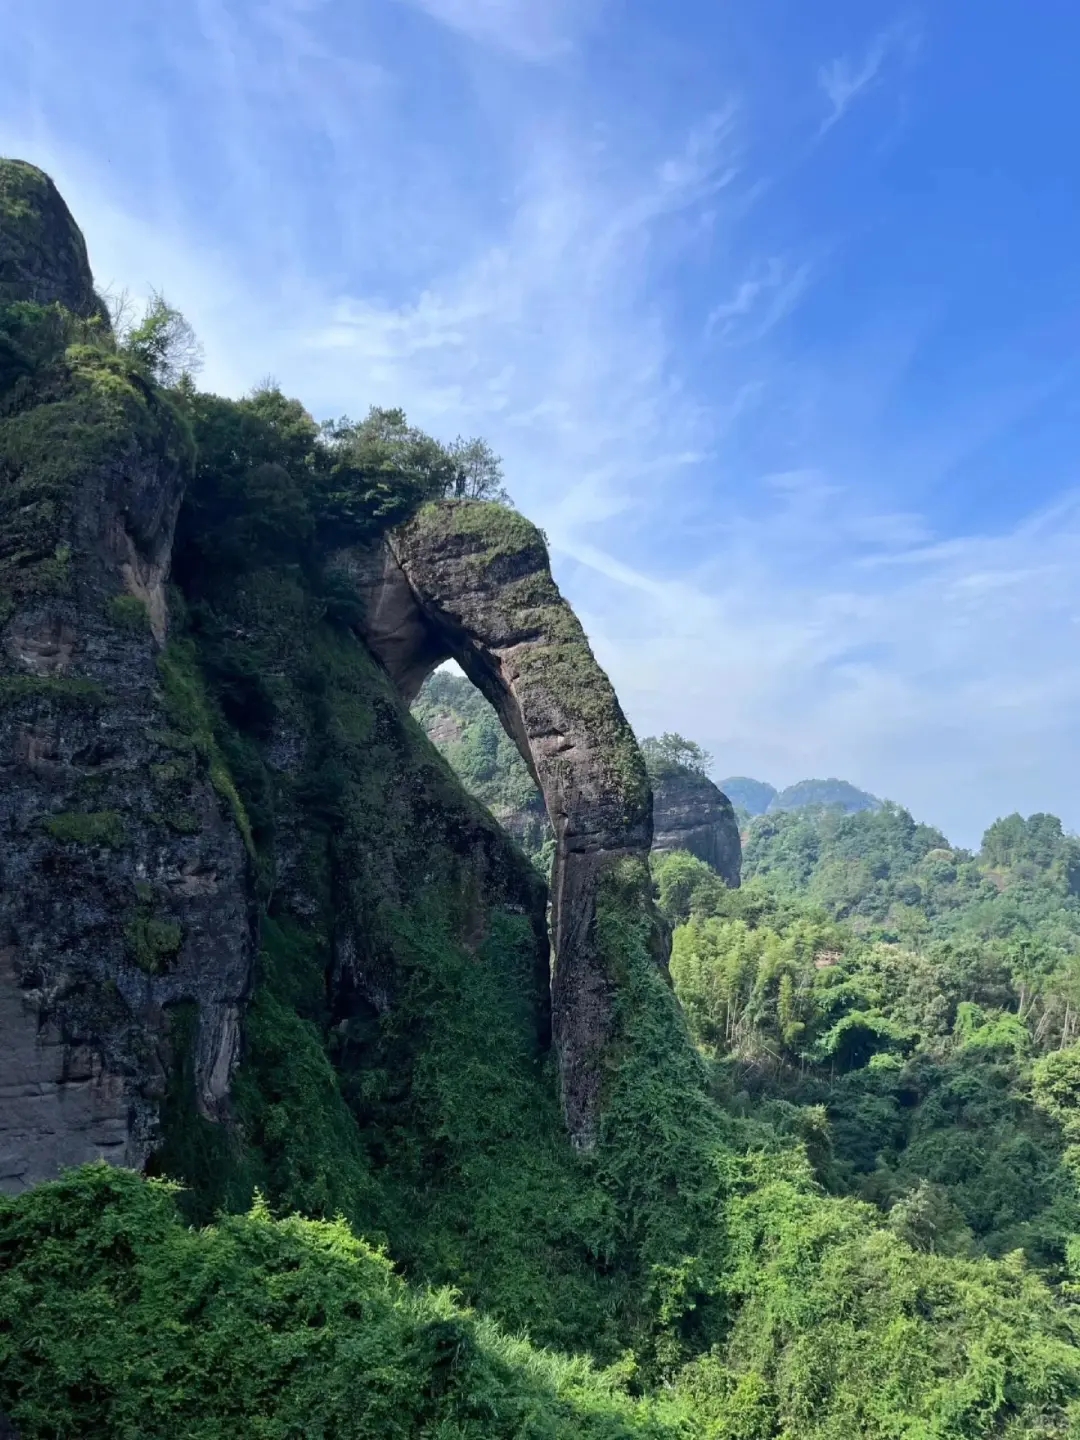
[[471, 581]]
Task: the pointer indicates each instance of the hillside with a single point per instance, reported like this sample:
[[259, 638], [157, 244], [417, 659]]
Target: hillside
[[322, 1115], [756, 797], [909, 1008]]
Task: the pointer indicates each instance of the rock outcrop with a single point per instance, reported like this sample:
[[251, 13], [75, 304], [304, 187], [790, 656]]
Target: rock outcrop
[[42, 251], [123, 873], [130, 871], [471, 581], [691, 813]]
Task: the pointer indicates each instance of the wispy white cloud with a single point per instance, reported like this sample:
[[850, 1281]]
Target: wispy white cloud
[[844, 79], [759, 301], [775, 611], [944, 682], [535, 30]]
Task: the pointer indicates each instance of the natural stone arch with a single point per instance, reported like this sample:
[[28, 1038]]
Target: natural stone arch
[[470, 581]]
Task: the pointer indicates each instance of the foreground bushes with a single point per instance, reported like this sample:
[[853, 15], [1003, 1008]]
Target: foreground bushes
[[118, 1321]]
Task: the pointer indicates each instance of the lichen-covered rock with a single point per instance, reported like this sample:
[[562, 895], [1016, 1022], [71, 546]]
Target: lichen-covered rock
[[691, 813], [471, 581], [42, 251], [123, 871]]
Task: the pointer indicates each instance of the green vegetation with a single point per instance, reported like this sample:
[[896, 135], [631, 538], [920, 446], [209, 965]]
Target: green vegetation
[[670, 753], [152, 943], [755, 797], [808, 794], [458, 720], [105, 827], [118, 1322], [128, 612], [70, 693], [834, 1193], [69, 403], [904, 1007]]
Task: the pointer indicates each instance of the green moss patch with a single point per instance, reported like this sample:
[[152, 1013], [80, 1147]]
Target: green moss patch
[[152, 943], [188, 709], [129, 613], [74, 694], [103, 828]]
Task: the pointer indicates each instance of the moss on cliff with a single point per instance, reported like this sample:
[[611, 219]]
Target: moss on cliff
[[395, 1063], [186, 705], [42, 251], [64, 691], [509, 556], [75, 410], [104, 827]]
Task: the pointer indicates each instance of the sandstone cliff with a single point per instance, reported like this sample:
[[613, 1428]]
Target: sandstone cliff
[[178, 761], [123, 877], [42, 251], [471, 581], [691, 813]]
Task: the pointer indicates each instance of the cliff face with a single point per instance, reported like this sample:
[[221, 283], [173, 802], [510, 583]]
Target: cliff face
[[123, 877], [42, 251], [165, 777], [471, 581], [691, 813]]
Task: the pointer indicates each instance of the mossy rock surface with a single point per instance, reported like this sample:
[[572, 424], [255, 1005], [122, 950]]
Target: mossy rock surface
[[42, 251]]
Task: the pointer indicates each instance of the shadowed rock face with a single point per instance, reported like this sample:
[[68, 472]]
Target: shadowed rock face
[[42, 251], [123, 876], [471, 581], [691, 813]]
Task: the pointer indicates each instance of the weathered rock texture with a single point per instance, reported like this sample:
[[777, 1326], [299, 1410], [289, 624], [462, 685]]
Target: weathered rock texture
[[691, 813], [471, 581], [131, 870], [42, 251], [123, 873]]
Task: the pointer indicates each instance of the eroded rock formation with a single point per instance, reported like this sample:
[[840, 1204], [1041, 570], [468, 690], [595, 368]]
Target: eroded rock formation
[[471, 581], [127, 891], [123, 875], [42, 251], [691, 813]]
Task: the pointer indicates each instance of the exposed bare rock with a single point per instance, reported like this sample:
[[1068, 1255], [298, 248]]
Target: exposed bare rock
[[471, 581], [691, 813], [42, 251], [123, 874]]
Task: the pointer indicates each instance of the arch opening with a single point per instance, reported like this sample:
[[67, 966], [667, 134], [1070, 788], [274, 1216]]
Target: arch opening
[[470, 581], [462, 723]]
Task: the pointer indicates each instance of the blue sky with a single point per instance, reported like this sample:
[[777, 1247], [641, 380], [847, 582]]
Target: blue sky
[[771, 310]]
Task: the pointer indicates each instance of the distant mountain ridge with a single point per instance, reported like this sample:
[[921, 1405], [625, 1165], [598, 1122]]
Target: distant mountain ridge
[[758, 797]]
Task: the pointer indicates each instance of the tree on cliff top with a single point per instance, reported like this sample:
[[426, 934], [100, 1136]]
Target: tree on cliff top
[[670, 752], [161, 340]]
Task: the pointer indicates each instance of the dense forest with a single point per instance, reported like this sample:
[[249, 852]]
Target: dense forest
[[905, 1008], [833, 1190], [908, 1008]]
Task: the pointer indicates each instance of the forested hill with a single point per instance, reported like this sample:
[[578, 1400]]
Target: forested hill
[[755, 797], [908, 1008], [903, 1006]]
